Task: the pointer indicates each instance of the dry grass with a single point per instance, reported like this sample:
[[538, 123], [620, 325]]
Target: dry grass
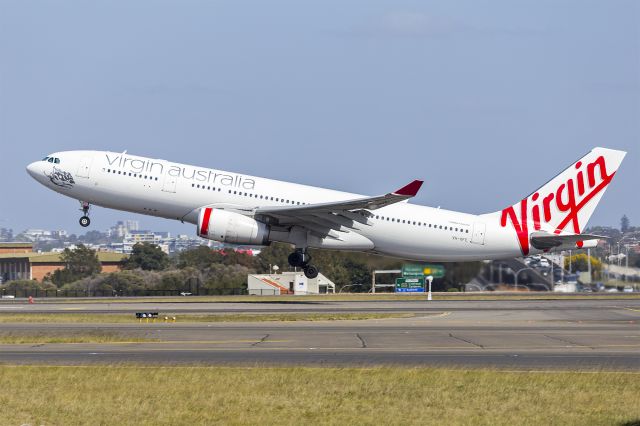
[[106, 318], [96, 336], [130, 395]]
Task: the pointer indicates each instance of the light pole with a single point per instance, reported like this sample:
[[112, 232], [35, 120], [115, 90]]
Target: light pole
[[570, 262], [589, 264], [430, 280]]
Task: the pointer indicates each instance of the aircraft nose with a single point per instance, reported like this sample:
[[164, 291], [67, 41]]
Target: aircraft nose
[[32, 169]]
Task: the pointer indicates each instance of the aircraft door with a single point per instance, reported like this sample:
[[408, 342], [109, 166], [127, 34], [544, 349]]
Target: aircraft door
[[479, 229], [84, 168], [169, 184]]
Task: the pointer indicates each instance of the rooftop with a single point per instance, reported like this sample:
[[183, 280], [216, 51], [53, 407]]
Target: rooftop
[[49, 257], [7, 244]]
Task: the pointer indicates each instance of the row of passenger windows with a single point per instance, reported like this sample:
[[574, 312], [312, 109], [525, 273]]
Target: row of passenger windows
[[248, 194], [429, 225], [120, 172]]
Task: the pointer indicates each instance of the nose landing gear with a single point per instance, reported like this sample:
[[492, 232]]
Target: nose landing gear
[[84, 220], [300, 259]]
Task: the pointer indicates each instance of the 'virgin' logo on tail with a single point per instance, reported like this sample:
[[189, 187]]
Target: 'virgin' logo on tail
[[569, 197]]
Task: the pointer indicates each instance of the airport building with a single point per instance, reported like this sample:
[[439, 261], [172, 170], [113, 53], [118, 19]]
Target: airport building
[[15, 247], [288, 283], [19, 262]]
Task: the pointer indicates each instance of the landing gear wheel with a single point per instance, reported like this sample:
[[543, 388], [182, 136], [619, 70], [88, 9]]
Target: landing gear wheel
[[310, 272], [298, 259], [85, 221]]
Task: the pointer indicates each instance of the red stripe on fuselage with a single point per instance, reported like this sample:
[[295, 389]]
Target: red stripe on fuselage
[[204, 226]]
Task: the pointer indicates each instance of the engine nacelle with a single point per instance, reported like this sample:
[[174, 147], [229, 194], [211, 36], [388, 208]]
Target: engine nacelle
[[228, 227]]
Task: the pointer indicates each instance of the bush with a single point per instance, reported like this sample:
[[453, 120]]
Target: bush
[[25, 285], [226, 276]]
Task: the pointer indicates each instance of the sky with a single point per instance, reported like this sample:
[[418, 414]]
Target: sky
[[483, 100]]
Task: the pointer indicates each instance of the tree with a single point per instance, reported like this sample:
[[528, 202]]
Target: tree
[[624, 224], [79, 263], [148, 257], [200, 257], [275, 254], [579, 263]]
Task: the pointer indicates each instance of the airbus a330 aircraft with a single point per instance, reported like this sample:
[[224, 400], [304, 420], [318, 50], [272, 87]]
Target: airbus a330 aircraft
[[240, 209]]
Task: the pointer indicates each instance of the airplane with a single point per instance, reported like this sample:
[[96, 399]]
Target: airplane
[[240, 209]]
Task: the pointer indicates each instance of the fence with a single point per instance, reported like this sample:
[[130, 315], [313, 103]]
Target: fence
[[132, 293]]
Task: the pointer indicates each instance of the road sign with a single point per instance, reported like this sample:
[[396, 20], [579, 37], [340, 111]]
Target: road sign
[[420, 270], [410, 285]]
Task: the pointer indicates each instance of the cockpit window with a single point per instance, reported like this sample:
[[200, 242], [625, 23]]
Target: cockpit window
[[51, 160], [45, 158], [56, 160]]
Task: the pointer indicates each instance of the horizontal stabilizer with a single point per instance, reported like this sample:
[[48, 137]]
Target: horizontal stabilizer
[[546, 241]]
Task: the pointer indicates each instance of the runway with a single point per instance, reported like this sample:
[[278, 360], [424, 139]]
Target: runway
[[556, 334]]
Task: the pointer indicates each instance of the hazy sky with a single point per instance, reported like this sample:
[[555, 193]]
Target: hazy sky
[[484, 100]]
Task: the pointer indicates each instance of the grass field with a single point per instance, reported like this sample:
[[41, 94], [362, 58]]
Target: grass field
[[96, 336], [106, 318], [130, 395]]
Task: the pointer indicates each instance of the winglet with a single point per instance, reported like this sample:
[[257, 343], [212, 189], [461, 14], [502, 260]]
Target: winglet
[[409, 190]]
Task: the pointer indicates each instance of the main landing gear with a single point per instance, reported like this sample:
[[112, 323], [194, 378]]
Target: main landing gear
[[84, 220], [300, 259]]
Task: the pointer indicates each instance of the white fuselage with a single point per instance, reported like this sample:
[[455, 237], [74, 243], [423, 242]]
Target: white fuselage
[[178, 191]]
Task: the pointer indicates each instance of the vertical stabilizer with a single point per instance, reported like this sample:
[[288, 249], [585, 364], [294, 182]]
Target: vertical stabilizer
[[564, 205]]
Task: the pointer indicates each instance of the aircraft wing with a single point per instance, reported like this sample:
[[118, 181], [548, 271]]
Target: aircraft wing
[[545, 240], [324, 218]]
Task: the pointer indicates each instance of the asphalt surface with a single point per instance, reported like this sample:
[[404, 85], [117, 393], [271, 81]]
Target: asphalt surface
[[555, 334]]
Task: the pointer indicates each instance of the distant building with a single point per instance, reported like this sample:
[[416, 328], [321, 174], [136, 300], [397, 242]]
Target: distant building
[[37, 235], [15, 247], [288, 283], [122, 228], [35, 266]]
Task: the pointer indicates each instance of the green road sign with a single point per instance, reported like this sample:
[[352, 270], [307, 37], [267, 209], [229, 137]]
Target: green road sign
[[422, 269], [410, 285]]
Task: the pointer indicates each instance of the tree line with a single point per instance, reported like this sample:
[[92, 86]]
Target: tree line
[[149, 268]]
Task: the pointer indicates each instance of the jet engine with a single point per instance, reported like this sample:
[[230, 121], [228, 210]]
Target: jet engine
[[228, 227]]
